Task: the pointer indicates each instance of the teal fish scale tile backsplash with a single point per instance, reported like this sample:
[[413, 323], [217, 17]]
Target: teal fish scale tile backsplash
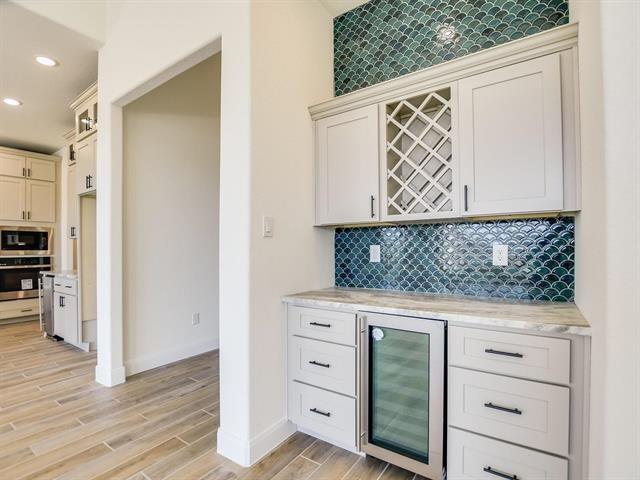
[[456, 258], [384, 39]]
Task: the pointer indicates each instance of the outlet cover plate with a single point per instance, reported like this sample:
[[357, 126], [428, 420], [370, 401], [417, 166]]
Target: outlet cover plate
[[374, 253], [500, 255]]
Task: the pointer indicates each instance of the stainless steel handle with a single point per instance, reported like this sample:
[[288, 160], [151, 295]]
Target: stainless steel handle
[[515, 411], [324, 365], [22, 267], [500, 474], [372, 201], [504, 354], [320, 412], [466, 198]]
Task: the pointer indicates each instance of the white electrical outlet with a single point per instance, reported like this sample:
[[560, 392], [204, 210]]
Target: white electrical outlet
[[374, 253], [500, 255], [195, 319], [267, 226]]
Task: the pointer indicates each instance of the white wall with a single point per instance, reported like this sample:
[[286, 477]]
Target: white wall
[[292, 61], [171, 202], [608, 229]]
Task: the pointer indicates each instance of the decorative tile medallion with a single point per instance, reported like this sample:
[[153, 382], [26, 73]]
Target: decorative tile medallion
[[384, 39], [456, 258]]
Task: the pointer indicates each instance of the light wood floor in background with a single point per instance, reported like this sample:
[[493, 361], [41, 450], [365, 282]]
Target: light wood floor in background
[[57, 423]]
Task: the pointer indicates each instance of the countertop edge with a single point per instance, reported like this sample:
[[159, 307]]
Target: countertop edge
[[450, 317]]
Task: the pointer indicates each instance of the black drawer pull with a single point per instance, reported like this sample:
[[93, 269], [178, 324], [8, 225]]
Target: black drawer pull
[[325, 325], [503, 409], [325, 365], [505, 354], [500, 474], [320, 412]]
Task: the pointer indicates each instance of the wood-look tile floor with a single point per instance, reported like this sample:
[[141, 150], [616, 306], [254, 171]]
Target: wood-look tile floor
[[57, 423]]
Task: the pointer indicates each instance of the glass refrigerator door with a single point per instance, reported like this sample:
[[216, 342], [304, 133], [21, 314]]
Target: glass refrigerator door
[[399, 368]]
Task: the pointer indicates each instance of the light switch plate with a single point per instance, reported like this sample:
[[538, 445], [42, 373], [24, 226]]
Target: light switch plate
[[374, 253], [195, 319], [500, 255], [267, 226]]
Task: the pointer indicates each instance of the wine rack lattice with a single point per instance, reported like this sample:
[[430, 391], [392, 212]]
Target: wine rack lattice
[[419, 166]]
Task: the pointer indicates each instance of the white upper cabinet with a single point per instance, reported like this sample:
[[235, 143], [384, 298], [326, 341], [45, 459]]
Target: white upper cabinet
[[41, 201], [511, 139], [347, 167], [86, 165], [38, 169], [12, 165], [419, 163], [12, 199]]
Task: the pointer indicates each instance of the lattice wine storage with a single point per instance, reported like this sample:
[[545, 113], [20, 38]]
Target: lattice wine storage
[[420, 165]]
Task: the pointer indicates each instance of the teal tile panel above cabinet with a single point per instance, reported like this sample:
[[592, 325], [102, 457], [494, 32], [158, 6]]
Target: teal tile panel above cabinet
[[384, 39]]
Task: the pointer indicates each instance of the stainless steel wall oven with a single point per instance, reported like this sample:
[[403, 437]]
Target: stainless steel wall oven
[[19, 276]]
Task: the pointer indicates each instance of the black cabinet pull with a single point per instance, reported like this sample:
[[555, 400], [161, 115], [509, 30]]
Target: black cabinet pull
[[325, 365], [90, 182], [86, 181], [28, 172], [24, 172], [372, 212], [29, 215], [317, 324], [503, 409], [505, 354], [320, 412], [466, 198], [500, 474], [23, 215]]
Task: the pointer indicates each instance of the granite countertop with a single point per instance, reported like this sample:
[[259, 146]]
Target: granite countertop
[[553, 317]]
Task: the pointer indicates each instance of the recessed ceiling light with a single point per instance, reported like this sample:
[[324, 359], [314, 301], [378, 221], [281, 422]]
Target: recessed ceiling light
[[12, 102], [46, 61]]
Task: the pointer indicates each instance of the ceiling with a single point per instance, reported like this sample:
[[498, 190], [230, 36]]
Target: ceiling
[[44, 116], [338, 7]]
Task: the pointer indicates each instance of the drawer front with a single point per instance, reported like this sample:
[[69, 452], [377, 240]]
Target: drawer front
[[338, 327], [19, 308], [329, 414], [526, 356], [65, 286], [323, 364], [473, 457], [519, 411]]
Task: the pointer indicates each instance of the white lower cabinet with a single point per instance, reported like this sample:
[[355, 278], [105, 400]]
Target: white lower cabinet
[[474, 457], [331, 415], [65, 310]]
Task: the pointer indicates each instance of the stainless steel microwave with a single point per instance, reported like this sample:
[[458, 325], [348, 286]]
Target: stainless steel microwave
[[25, 241]]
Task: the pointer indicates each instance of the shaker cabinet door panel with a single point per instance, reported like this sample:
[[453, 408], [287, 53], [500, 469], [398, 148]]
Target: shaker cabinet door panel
[[38, 169], [86, 166], [12, 198], [347, 167], [12, 165], [41, 201], [511, 139]]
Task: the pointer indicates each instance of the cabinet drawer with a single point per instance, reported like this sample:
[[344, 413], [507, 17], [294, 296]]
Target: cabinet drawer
[[338, 327], [328, 414], [527, 356], [65, 286], [19, 308], [519, 411], [323, 364], [472, 457]]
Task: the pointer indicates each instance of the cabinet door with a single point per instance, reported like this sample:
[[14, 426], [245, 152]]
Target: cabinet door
[[59, 320], [86, 166], [511, 139], [41, 201], [72, 203], [38, 169], [71, 319], [87, 118], [347, 167], [12, 198], [12, 165]]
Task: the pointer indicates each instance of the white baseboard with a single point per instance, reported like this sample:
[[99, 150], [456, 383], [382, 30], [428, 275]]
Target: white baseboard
[[110, 377], [158, 359], [247, 453]]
